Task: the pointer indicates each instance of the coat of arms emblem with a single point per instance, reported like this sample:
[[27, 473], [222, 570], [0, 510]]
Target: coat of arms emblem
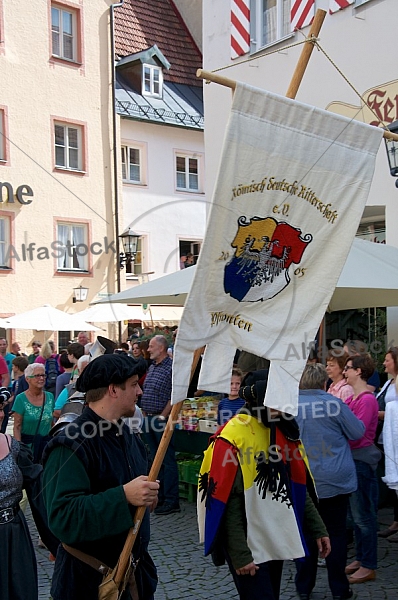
[[264, 251]]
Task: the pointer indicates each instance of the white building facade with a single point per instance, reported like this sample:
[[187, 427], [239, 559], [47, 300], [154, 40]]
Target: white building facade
[[159, 102], [352, 37], [166, 207], [56, 194]]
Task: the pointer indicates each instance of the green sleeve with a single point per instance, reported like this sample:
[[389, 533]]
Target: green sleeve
[[313, 523], [74, 513], [19, 404], [235, 525]]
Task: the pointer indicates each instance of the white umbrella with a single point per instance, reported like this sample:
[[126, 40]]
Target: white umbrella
[[48, 318], [369, 278], [111, 312]]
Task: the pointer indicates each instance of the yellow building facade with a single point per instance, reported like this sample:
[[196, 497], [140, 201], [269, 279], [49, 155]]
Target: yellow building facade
[[56, 157]]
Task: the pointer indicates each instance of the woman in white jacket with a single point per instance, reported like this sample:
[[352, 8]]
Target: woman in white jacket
[[388, 403]]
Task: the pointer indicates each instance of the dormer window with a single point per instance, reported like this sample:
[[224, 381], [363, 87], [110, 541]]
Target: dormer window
[[152, 81]]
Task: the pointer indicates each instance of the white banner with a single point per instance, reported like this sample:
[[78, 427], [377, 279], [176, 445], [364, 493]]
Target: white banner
[[291, 189]]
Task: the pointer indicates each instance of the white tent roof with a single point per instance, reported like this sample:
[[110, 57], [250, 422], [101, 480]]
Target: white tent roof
[[369, 278], [171, 289], [111, 312]]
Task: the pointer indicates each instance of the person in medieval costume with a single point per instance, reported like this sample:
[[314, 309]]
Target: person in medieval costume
[[95, 476], [253, 502]]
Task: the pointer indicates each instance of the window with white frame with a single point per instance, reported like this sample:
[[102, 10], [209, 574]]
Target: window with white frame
[[132, 164], [4, 242], [189, 252], [68, 146], [270, 22], [187, 172], [152, 80], [64, 32], [137, 266], [72, 247]]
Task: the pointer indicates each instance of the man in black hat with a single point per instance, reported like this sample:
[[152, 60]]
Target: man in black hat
[[94, 478]]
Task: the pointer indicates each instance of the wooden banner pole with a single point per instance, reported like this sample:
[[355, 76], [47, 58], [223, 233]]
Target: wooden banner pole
[[306, 54]]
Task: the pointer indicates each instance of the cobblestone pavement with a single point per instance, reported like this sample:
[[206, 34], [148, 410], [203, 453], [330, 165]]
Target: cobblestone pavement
[[184, 573]]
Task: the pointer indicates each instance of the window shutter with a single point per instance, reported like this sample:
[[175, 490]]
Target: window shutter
[[302, 13], [336, 5], [240, 27]]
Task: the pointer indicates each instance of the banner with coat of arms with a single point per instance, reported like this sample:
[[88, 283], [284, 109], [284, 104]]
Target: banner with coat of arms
[[291, 189]]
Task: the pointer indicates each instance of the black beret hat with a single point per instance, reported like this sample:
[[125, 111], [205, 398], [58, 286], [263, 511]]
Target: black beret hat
[[107, 369], [253, 376]]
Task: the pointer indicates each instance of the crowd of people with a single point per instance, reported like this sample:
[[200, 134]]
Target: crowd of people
[[271, 488], [342, 422]]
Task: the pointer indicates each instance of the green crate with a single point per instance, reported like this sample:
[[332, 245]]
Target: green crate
[[192, 472], [188, 471], [180, 469], [187, 491]]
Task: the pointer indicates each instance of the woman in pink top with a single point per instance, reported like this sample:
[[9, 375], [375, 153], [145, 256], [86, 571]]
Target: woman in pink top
[[47, 351], [339, 388], [363, 502]]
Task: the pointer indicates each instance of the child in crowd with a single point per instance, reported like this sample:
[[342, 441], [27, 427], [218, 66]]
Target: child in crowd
[[19, 364], [228, 407]]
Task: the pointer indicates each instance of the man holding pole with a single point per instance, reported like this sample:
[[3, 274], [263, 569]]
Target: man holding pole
[[95, 476]]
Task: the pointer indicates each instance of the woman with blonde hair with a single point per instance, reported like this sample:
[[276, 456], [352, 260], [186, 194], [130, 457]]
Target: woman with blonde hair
[[47, 351], [52, 366]]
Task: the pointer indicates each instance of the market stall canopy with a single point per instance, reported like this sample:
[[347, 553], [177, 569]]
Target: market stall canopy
[[48, 318], [112, 312], [170, 289], [369, 278]]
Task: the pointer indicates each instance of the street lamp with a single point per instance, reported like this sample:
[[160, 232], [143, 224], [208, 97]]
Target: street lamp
[[392, 152], [130, 245], [80, 294]]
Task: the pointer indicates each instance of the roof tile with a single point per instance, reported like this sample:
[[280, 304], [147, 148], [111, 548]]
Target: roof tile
[[139, 24]]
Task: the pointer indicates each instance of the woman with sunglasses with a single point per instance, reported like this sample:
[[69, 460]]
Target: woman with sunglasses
[[363, 502], [33, 411]]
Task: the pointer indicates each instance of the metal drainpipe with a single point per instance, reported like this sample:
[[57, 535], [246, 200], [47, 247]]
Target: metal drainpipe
[[115, 151]]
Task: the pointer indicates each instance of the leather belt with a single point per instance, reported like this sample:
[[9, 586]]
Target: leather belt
[[7, 514]]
